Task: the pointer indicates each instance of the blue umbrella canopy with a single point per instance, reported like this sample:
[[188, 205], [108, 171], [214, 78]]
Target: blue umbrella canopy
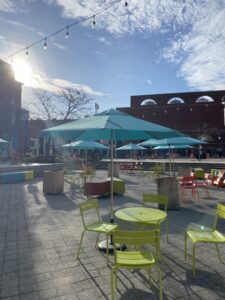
[[179, 140], [172, 147], [110, 125], [85, 145], [131, 147]]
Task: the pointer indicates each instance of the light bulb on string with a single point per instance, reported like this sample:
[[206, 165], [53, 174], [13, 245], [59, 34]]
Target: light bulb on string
[[93, 22], [126, 3], [27, 53], [45, 44], [67, 33]]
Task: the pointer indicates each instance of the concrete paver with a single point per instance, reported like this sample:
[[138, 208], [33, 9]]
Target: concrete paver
[[39, 236]]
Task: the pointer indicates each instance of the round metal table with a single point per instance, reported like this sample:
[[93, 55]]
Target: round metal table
[[141, 214]]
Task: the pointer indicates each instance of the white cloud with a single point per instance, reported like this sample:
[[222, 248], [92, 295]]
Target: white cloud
[[200, 54], [53, 85], [59, 46], [104, 40], [149, 81], [7, 6]]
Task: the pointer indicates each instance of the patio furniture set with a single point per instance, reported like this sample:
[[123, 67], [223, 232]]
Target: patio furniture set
[[140, 248]]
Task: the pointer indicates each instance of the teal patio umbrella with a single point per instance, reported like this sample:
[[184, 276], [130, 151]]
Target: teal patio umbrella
[[179, 140], [111, 125], [172, 141], [85, 145], [130, 147], [173, 147]]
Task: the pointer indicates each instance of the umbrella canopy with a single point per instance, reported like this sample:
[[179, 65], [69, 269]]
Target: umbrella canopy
[[149, 143], [85, 145], [181, 140], [173, 147], [3, 141], [131, 147], [110, 125]]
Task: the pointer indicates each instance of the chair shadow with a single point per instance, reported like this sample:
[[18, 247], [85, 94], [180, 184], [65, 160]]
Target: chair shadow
[[135, 293]]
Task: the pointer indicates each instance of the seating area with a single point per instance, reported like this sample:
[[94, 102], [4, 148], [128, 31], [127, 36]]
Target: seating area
[[41, 236]]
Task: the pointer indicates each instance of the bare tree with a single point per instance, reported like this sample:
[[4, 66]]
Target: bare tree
[[68, 103], [43, 106], [73, 103]]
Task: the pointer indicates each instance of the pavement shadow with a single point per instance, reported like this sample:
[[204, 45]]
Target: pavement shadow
[[60, 202], [135, 293]]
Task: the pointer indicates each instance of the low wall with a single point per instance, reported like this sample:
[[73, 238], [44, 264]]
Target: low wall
[[37, 168]]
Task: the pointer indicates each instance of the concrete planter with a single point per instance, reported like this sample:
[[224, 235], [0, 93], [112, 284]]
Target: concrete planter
[[170, 186], [53, 182]]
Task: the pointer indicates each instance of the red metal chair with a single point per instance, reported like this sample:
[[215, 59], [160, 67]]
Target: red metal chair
[[203, 184], [189, 183]]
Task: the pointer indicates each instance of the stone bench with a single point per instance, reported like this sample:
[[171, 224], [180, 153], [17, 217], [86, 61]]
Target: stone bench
[[12, 177], [101, 188]]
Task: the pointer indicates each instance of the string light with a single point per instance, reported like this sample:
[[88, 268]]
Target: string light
[[93, 22], [27, 53], [67, 33], [45, 45], [92, 16]]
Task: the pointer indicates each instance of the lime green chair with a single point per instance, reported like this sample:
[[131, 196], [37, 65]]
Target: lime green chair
[[206, 236], [95, 225], [161, 200], [143, 258]]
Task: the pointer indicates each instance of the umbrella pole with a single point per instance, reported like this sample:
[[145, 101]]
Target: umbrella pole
[[111, 182], [169, 159]]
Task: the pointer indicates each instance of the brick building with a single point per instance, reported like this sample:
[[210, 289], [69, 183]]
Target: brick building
[[197, 114], [10, 108]]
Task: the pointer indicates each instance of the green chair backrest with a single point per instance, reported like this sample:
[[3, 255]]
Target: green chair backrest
[[220, 213], [87, 206], [220, 210], [158, 199], [136, 238]]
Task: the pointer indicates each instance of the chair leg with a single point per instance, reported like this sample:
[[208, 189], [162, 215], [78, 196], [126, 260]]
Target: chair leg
[[167, 231], [150, 277], [97, 240], [160, 283], [185, 246], [107, 248], [193, 260], [81, 239], [218, 252], [113, 283]]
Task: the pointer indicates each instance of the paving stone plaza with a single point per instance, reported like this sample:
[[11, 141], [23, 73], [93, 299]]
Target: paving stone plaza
[[39, 236]]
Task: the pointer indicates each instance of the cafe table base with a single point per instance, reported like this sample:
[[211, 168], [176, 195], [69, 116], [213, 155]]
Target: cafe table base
[[102, 246]]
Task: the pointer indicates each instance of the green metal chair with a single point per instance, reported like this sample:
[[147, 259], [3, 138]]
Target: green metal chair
[[205, 236], [162, 200], [143, 258], [95, 224]]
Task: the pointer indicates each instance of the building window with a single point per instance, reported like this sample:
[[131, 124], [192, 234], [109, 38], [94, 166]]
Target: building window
[[148, 102], [175, 100], [223, 99], [204, 99]]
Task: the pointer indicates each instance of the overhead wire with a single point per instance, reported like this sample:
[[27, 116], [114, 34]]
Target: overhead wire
[[47, 37]]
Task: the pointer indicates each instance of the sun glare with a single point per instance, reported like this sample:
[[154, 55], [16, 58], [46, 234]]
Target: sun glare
[[22, 72]]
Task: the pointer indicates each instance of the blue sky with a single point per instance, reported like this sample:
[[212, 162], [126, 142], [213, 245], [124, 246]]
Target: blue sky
[[174, 46]]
